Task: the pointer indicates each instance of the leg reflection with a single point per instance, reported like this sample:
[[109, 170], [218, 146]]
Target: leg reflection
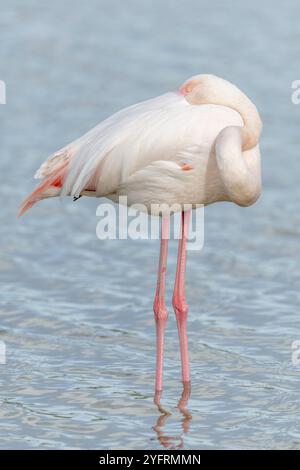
[[176, 441], [163, 411], [182, 406]]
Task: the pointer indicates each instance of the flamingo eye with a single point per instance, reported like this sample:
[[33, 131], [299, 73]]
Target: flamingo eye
[[186, 88]]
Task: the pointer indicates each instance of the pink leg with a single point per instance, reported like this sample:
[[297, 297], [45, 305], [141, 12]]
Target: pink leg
[[179, 301], [159, 306]]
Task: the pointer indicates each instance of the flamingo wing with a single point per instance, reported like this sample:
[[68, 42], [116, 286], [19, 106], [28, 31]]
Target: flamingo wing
[[105, 158]]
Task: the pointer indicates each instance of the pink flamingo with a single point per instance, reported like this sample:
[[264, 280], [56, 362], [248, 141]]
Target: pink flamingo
[[198, 145]]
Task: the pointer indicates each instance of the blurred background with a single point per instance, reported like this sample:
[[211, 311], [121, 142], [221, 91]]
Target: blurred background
[[76, 312]]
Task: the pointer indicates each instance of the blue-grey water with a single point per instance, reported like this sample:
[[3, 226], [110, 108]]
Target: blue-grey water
[[75, 312]]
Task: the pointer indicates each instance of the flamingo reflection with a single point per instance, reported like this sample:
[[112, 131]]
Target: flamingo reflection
[[167, 441]]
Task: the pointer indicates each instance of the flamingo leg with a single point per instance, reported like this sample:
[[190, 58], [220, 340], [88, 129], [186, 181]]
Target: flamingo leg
[[159, 306], [179, 300]]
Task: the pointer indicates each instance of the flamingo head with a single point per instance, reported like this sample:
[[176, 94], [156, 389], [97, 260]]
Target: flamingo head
[[210, 89], [201, 89]]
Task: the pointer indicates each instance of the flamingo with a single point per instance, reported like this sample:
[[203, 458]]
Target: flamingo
[[196, 145]]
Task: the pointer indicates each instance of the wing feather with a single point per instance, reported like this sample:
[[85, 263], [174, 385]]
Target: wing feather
[[163, 128], [120, 145]]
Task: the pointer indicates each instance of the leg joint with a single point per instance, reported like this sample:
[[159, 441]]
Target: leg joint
[[180, 307], [160, 310]]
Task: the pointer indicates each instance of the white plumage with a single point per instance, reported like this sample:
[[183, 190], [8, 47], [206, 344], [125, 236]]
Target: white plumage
[[143, 151]]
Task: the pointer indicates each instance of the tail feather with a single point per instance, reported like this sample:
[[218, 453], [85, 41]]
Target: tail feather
[[49, 187]]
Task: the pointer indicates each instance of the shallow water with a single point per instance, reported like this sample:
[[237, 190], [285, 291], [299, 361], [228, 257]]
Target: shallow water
[[76, 313]]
